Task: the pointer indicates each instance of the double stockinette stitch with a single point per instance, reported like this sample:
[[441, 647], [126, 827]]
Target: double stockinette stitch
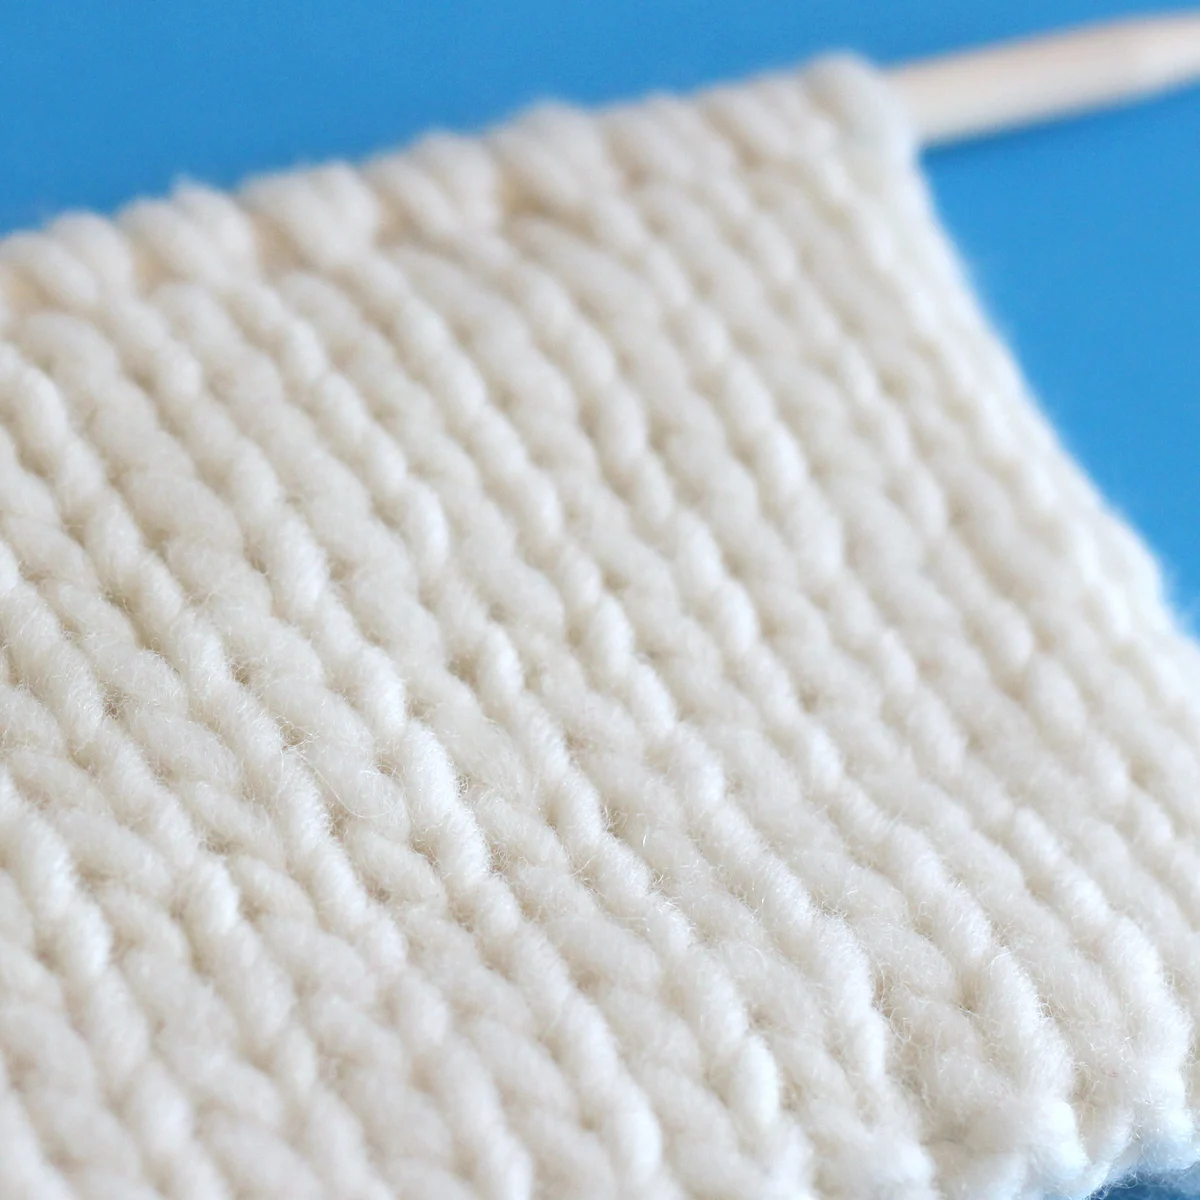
[[566, 665]]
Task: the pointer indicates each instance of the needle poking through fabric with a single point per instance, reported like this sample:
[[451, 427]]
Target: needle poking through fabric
[[1019, 83]]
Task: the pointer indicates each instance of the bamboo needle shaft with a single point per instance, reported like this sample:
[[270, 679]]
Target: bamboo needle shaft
[[1020, 83]]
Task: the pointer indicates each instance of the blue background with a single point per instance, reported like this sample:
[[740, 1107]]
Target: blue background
[[1083, 237]]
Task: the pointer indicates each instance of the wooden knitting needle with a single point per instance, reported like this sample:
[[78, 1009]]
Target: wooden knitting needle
[[1021, 83]]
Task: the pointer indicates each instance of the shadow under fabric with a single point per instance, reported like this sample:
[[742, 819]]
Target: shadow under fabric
[[568, 665]]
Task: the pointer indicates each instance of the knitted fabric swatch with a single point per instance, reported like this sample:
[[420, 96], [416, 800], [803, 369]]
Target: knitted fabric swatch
[[567, 665]]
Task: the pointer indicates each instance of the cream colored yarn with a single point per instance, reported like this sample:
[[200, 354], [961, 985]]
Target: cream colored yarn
[[566, 665]]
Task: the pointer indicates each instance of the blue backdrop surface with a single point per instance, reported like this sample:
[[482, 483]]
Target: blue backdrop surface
[[1084, 237]]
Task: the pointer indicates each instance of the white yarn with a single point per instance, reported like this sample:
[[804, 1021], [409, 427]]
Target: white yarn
[[566, 665]]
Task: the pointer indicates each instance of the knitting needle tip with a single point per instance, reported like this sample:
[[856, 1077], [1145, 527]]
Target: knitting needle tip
[[1020, 83]]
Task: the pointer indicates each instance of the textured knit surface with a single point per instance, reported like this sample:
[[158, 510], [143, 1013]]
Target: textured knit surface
[[566, 665]]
